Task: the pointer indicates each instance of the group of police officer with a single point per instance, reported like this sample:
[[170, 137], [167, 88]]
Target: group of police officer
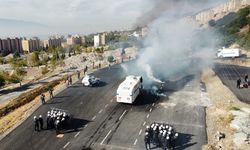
[[161, 135], [56, 119]]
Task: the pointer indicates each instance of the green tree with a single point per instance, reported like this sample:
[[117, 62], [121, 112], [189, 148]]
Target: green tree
[[17, 62], [2, 60], [2, 81], [212, 23], [35, 61], [110, 59], [16, 54], [77, 49], [5, 52]]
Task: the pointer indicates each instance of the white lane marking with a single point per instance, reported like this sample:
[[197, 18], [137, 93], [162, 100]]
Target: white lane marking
[[122, 114], [147, 115], [77, 134], [106, 105], [150, 109], [135, 142], [100, 111], [153, 104], [66, 145], [140, 132], [106, 137], [144, 123], [85, 126], [94, 118]]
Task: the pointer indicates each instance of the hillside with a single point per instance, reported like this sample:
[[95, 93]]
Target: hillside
[[216, 13], [235, 28]]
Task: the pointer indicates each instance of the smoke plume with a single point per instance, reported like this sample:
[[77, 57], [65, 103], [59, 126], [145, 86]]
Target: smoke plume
[[174, 43]]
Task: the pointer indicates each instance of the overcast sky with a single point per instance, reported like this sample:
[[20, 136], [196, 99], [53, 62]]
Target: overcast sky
[[68, 16]]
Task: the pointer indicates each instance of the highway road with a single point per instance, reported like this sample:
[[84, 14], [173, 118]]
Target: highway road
[[101, 123], [229, 74]]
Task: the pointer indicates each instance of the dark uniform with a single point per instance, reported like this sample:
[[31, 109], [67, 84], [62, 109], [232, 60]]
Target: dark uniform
[[51, 93], [238, 83], [48, 121], [57, 124], [246, 78], [78, 74], [36, 123], [147, 141], [42, 97], [41, 122]]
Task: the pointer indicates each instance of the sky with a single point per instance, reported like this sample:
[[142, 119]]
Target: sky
[[27, 17]]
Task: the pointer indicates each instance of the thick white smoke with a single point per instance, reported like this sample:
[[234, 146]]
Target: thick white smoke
[[175, 43]]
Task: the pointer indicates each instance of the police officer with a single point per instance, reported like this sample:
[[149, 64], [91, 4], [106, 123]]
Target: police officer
[[78, 74], [246, 78], [57, 123], [238, 83], [51, 93], [147, 141], [159, 138], [41, 122], [42, 97], [36, 123], [48, 121]]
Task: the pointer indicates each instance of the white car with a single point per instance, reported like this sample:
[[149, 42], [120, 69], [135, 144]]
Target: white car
[[88, 80]]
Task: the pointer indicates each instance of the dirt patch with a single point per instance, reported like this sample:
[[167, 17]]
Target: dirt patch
[[18, 115], [26, 97], [219, 115]]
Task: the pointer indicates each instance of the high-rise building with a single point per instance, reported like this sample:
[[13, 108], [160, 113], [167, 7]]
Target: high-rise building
[[29, 45], [10, 45], [1, 45], [74, 40], [56, 42], [99, 40]]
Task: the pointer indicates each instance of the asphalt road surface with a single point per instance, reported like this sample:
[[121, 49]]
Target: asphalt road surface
[[101, 123], [229, 74]]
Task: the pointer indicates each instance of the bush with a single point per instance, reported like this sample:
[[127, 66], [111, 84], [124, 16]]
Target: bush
[[111, 59], [63, 56], [234, 108], [2, 81], [231, 30], [14, 79], [45, 70], [16, 54]]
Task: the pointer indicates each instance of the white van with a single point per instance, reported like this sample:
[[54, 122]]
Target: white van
[[129, 89], [228, 53]]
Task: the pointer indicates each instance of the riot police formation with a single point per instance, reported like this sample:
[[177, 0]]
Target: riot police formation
[[55, 119], [161, 135]]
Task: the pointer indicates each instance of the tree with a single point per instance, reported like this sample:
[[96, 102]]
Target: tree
[[2, 81], [5, 52], [17, 62], [77, 49], [35, 61], [2, 60], [110, 59], [212, 23], [20, 72], [16, 54]]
